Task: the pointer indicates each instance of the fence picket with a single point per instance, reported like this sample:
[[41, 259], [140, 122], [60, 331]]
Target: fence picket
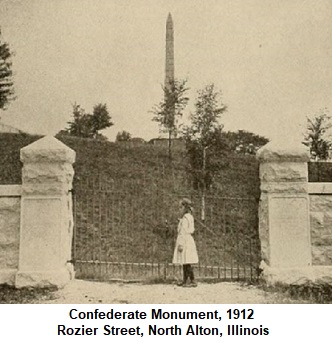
[[121, 229]]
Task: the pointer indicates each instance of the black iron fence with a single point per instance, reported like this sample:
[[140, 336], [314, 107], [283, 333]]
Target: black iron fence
[[320, 171], [125, 228]]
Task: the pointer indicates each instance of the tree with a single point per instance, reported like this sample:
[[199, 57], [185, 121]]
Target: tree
[[6, 83], [167, 112], [203, 133], [87, 125], [316, 136], [244, 142], [80, 125], [123, 136], [205, 119], [100, 119]]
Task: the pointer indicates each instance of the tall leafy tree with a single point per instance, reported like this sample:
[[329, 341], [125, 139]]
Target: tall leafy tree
[[317, 135], [6, 74], [168, 111], [79, 125], [205, 119], [203, 133], [100, 119], [87, 125], [205, 128]]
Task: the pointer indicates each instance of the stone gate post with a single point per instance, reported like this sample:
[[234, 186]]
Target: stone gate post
[[46, 214], [284, 225]]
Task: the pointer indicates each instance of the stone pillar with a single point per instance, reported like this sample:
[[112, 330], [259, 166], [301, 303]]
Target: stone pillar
[[46, 214], [284, 226]]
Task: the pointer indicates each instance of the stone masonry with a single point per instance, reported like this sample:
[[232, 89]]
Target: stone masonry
[[10, 207], [46, 214], [321, 223], [284, 206], [295, 217]]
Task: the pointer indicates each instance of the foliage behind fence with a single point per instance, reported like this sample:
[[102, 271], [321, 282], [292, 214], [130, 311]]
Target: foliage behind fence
[[134, 220]]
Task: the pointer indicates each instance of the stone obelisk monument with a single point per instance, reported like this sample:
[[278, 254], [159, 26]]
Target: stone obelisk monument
[[169, 63], [169, 73]]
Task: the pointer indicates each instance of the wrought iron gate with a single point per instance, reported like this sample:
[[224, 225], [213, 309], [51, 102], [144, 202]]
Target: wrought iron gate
[[127, 230]]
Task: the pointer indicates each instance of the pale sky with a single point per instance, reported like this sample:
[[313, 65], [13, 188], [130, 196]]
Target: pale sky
[[271, 60]]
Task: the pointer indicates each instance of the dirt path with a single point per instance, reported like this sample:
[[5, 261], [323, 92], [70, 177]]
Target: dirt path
[[85, 292]]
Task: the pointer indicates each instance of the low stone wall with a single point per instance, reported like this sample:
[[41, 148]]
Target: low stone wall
[[320, 195], [10, 208]]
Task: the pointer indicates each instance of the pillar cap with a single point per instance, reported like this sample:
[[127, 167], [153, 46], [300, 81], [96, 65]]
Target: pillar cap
[[283, 151], [47, 149]]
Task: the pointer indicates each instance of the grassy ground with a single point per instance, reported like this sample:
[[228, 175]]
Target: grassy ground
[[315, 293], [114, 160], [12, 295], [237, 174]]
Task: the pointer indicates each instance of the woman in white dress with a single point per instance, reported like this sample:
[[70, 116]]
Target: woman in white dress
[[185, 252]]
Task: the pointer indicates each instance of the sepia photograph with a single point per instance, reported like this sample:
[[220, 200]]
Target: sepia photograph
[[165, 152]]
